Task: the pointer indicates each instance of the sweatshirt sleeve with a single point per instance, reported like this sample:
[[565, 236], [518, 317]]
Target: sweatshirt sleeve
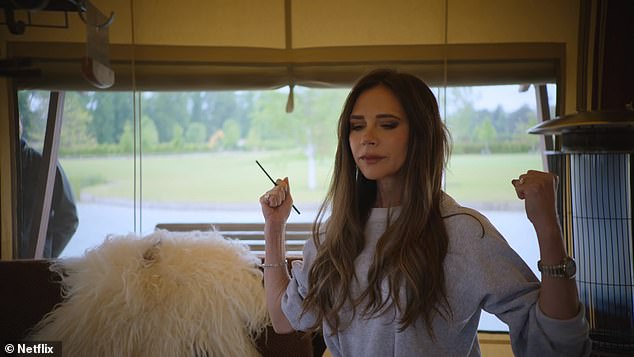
[[512, 292], [293, 299]]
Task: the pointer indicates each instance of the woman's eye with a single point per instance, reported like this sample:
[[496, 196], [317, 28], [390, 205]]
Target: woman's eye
[[390, 125], [356, 127]]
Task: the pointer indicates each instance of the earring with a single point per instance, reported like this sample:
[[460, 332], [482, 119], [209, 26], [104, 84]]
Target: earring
[[356, 173]]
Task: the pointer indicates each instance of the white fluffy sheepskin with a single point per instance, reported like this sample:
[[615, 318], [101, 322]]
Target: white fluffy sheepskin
[[165, 294]]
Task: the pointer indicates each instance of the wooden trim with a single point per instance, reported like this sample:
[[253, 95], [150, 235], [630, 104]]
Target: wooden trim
[[494, 338], [543, 114], [8, 197]]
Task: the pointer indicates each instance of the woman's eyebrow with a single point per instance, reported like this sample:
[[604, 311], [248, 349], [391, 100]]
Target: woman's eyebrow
[[388, 116], [379, 116]]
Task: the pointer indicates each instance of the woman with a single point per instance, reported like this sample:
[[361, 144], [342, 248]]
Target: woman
[[399, 268]]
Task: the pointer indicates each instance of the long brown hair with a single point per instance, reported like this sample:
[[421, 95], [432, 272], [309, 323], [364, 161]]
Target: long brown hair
[[411, 252]]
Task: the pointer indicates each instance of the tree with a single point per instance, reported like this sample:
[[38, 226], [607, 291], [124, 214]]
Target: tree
[[110, 114], [317, 114], [486, 134], [231, 130], [196, 133], [33, 110], [214, 108], [501, 122], [321, 110], [271, 128], [126, 140], [461, 120], [526, 119], [177, 136], [149, 134], [169, 112], [312, 126], [76, 123], [244, 104]]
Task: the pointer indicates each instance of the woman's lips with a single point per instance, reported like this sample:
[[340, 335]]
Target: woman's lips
[[372, 159]]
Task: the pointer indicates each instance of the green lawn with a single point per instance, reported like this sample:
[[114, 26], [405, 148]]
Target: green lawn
[[486, 179], [235, 178]]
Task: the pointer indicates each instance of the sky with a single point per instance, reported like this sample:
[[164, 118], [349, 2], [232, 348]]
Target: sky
[[511, 99]]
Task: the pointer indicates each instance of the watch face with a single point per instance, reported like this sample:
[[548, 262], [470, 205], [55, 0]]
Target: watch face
[[570, 268]]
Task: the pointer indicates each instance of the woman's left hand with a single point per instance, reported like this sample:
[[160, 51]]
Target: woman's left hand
[[558, 298], [538, 190]]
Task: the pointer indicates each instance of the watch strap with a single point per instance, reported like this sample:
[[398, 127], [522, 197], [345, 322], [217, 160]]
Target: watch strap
[[566, 269]]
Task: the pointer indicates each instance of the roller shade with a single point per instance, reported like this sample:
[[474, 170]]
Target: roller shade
[[171, 68]]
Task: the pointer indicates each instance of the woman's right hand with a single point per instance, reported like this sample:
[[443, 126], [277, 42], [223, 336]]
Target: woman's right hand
[[276, 203], [276, 206]]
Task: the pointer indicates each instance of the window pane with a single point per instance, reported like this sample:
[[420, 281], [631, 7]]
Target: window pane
[[488, 125], [98, 154], [95, 157], [200, 149], [194, 156]]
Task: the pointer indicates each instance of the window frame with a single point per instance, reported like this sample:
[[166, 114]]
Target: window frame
[[152, 68]]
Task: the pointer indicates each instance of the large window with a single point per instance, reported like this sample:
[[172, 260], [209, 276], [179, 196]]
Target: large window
[[190, 156], [490, 147]]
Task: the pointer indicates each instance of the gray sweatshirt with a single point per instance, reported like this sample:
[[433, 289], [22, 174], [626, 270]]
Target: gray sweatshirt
[[482, 272]]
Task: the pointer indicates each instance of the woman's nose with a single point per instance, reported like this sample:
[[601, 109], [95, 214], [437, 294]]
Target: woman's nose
[[368, 137]]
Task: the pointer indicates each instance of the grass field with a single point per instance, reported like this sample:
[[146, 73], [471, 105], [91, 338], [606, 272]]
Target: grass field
[[486, 179], [235, 178]]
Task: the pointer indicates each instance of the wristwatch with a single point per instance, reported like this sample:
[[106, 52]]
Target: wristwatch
[[567, 269]]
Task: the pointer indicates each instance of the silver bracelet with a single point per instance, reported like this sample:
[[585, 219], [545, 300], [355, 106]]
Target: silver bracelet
[[274, 265]]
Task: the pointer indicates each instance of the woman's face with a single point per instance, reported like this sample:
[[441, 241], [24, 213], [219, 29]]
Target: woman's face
[[379, 133]]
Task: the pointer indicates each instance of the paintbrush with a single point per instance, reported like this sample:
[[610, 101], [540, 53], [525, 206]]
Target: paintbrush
[[273, 181]]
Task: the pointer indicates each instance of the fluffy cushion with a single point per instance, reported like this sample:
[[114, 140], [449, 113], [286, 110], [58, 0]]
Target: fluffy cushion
[[166, 294]]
